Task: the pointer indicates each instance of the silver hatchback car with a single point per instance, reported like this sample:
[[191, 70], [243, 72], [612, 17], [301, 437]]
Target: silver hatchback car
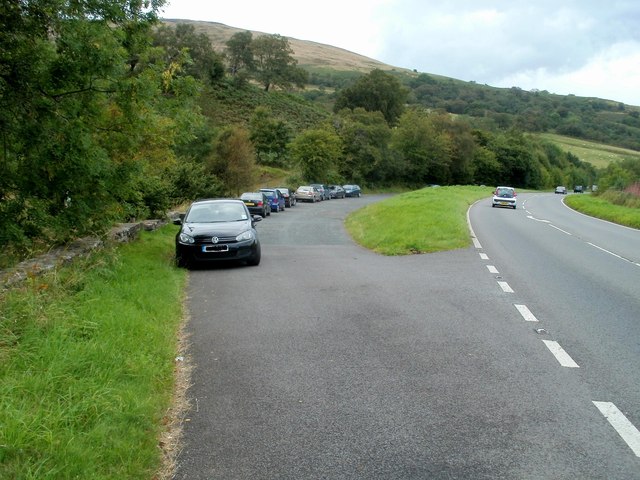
[[504, 197]]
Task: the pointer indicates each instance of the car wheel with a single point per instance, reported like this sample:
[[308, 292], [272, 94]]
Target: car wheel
[[493, 205], [254, 260], [181, 262]]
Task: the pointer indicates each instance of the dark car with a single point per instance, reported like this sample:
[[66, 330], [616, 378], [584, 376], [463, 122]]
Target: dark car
[[336, 191], [352, 190], [324, 193], [276, 200], [257, 203], [289, 197], [217, 231], [578, 189]]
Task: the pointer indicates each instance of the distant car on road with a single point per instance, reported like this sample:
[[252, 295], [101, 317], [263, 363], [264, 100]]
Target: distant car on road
[[336, 191], [289, 197], [504, 197], [352, 190], [306, 193], [324, 192], [257, 203], [217, 231], [578, 189], [275, 199], [561, 190]]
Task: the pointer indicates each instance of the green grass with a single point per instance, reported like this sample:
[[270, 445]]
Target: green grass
[[597, 154], [87, 364], [599, 207], [422, 221]]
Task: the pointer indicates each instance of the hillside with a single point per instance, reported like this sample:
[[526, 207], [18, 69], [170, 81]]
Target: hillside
[[308, 54]]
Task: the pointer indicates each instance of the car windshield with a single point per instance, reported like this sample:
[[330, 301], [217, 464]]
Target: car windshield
[[216, 212], [504, 192]]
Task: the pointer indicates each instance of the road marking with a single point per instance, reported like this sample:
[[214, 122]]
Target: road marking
[[563, 231], [537, 219], [476, 242], [505, 287], [562, 356], [622, 425], [492, 269], [526, 313], [484, 256]]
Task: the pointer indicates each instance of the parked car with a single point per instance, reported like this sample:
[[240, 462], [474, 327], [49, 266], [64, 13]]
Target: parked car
[[336, 191], [257, 203], [289, 197], [504, 197], [216, 231], [352, 190], [324, 192], [306, 193], [276, 200], [561, 190], [578, 189]]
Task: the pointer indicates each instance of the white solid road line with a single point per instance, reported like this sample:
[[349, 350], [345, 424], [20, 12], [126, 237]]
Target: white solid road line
[[622, 425], [526, 313], [492, 269], [505, 287], [562, 356]]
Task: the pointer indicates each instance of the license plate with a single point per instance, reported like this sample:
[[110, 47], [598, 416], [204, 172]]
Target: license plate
[[215, 248], [249, 204]]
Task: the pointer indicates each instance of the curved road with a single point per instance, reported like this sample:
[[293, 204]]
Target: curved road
[[329, 361]]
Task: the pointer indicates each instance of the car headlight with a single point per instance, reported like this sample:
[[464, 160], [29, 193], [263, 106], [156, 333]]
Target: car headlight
[[186, 239], [244, 236]]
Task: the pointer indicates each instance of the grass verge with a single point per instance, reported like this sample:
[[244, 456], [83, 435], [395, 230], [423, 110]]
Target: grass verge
[[87, 357], [422, 221], [600, 208]]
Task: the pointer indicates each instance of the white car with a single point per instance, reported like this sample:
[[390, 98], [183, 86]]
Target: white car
[[504, 197]]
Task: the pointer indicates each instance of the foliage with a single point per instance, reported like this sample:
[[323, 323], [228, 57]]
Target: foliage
[[376, 92], [204, 63], [318, 153], [234, 162], [274, 64], [239, 53], [270, 137], [91, 117]]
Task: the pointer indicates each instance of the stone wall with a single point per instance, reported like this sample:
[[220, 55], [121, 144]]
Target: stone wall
[[121, 233]]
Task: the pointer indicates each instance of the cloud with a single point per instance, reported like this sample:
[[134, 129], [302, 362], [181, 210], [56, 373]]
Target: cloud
[[585, 47]]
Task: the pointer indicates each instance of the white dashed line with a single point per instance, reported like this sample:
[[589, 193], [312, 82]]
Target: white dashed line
[[561, 230], [562, 356], [476, 242], [484, 256], [492, 269], [606, 251], [622, 425], [505, 287], [526, 313]]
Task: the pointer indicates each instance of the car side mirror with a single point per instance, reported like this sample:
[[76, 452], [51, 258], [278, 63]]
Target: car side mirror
[[256, 218]]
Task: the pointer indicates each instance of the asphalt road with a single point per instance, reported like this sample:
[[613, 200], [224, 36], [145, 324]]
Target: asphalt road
[[329, 361]]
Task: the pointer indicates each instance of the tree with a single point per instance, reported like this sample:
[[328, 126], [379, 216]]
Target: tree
[[274, 64], [318, 153], [239, 52], [205, 64], [234, 161], [365, 136], [270, 137], [377, 91]]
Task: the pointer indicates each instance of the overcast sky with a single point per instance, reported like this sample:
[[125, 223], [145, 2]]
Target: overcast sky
[[581, 47]]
